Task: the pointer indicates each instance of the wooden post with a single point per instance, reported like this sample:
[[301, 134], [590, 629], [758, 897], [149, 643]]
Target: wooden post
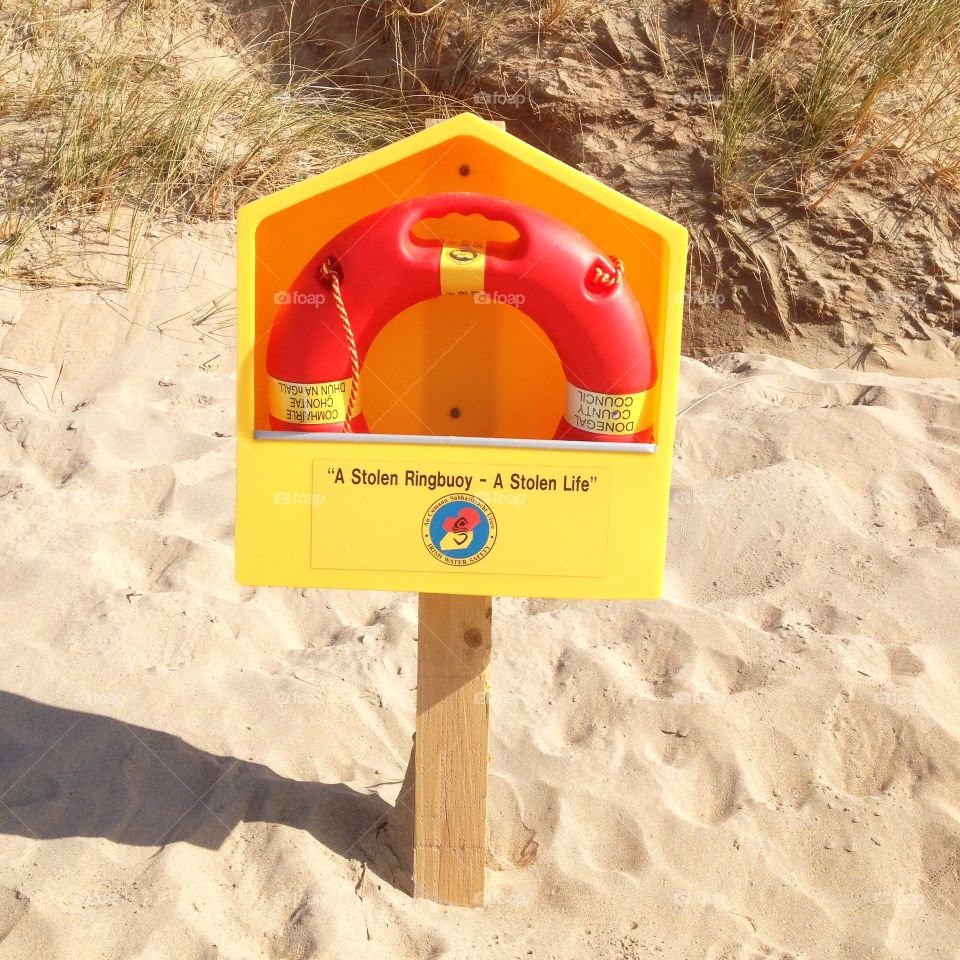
[[450, 826], [450, 749]]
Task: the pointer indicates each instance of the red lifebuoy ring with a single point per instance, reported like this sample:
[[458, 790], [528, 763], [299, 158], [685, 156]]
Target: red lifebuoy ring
[[568, 287]]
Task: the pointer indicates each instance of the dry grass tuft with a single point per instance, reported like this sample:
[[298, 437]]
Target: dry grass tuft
[[451, 45], [557, 15], [814, 103], [128, 107]]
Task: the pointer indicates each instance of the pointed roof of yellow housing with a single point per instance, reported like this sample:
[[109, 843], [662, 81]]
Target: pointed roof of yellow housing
[[471, 126]]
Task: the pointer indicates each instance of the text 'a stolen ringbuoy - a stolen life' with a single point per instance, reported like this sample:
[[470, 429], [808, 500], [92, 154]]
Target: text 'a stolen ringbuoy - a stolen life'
[[442, 480]]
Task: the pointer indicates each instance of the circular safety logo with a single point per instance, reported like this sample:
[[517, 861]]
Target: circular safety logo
[[459, 530]]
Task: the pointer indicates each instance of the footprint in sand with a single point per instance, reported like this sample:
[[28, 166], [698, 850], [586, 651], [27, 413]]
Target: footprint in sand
[[697, 783], [869, 746], [511, 844], [904, 662], [609, 840]]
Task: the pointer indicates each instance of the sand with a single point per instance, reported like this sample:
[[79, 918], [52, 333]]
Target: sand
[[763, 764]]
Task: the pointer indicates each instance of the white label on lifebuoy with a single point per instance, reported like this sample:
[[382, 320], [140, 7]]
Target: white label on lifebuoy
[[310, 403], [615, 414]]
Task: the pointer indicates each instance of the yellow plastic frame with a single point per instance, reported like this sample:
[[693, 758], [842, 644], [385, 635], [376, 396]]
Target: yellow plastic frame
[[298, 526]]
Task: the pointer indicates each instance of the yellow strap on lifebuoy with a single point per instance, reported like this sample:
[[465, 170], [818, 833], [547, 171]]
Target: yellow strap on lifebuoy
[[310, 403], [607, 414], [462, 267]]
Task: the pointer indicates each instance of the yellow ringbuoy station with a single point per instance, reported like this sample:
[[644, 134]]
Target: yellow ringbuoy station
[[580, 519]]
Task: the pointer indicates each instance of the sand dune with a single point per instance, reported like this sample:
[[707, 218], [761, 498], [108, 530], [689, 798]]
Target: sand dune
[[764, 764]]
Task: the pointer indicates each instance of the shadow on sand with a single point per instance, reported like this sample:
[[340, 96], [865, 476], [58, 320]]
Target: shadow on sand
[[68, 773]]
